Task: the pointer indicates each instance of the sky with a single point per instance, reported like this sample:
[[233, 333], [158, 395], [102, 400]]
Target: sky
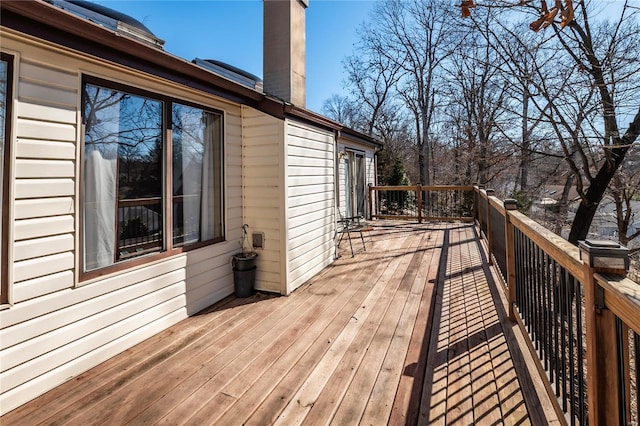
[[231, 31]]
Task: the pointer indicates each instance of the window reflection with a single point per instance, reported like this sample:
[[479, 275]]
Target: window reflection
[[197, 213], [126, 155], [122, 176]]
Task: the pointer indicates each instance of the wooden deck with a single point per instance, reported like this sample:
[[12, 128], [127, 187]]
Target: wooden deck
[[411, 331]]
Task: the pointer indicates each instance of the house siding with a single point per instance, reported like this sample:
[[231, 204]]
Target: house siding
[[263, 181], [58, 326], [310, 201], [41, 174]]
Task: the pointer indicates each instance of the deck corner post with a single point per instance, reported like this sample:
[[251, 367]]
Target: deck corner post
[[476, 198], [510, 248], [419, 201], [605, 387], [370, 201]]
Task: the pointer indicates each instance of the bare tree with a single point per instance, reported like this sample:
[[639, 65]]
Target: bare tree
[[372, 76], [596, 67], [625, 191], [478, 89], [414, 36], [611, 58], [601, 65], [343, 110]]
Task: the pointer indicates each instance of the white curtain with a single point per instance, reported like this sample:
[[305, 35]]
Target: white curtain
[[99, 211], [191, 183], [198, 175], [348, 178], [207, 207]]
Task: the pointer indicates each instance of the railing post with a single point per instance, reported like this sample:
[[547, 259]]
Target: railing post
[[605, 399], [510, 252], [419, 200], [481, 200], [490, 193], [476, 211], [370, 201]]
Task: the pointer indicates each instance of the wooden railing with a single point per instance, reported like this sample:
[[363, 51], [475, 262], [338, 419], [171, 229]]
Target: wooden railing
[[435, 203], [581, 314]]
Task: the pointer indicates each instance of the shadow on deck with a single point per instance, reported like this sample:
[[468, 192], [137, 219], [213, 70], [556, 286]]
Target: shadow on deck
[[412, 330]]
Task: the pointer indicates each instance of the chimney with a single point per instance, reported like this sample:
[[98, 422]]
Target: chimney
[[284, 50]]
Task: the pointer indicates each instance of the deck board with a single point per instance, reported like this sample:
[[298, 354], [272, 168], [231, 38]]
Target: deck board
[[409, 331]]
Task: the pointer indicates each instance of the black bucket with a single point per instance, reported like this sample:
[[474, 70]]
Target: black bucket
[[244, 274], [243, 262], [244, 282]]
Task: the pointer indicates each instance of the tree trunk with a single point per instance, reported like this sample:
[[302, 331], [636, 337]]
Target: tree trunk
[[599, 184], [563, 206], [525, 155], [425, 155]]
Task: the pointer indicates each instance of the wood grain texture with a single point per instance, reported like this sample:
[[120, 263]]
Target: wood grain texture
[[408, 332]]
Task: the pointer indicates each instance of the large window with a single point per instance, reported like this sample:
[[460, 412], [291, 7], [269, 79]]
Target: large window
[[128, 204], [6, 85]]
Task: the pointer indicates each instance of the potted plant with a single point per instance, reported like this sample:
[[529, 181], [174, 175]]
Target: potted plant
[[244, 267]]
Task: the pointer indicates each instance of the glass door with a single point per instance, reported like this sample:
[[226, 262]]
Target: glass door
[[354, 184]]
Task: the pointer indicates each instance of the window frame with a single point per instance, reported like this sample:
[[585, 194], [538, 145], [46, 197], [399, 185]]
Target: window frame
[[6, 177], [168, 249]]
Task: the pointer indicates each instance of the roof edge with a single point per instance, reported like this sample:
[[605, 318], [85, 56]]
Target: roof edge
[[50, 23], [342, 131]]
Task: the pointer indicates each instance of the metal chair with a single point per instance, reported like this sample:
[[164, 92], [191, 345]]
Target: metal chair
[[349, 225]]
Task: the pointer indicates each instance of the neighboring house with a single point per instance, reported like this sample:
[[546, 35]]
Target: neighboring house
[[127, 176]]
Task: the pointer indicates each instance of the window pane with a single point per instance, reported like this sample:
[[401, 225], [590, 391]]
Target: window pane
[[4, 84], [122, 176], [197, 175]]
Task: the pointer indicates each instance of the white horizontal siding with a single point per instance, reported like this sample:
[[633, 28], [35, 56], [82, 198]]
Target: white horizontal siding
[[46, 284], [40, 266], [305, 215], [262, 165], [45, 130], [69, 354], [31, 208], [58, 114], [298, 191], [43, 227], [37, 350], [47, 84], [44, 169], [37, 247], [54, 331], [41, 384], [51, 75], [43, 92], [41, 188], [310, 201], [38, 149], [45, 181]]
